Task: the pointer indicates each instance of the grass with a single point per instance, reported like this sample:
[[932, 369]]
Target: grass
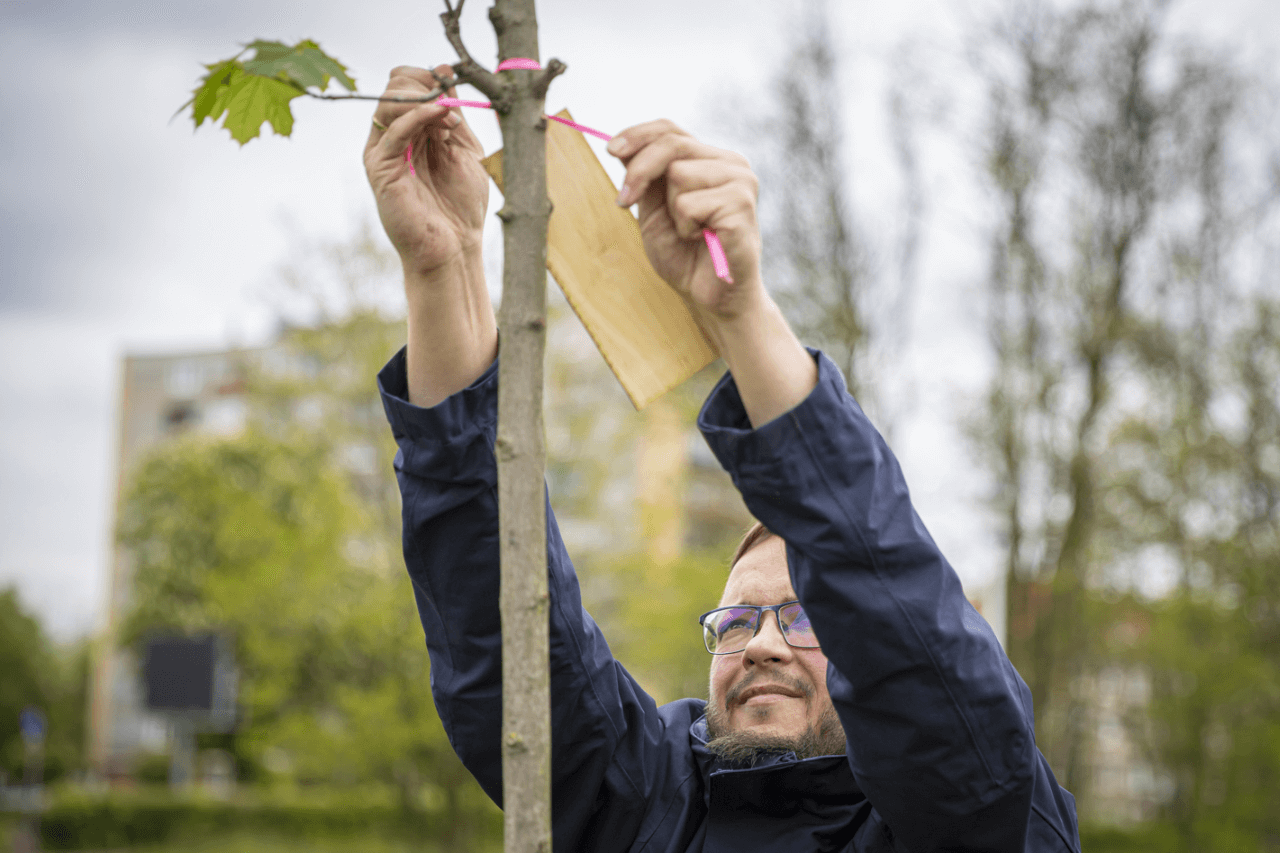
[[246, 843], [249, 843]]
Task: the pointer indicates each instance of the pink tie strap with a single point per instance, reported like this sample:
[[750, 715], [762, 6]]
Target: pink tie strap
[[519, 63], [485, 105], [582, 128], [458, 102], [718, 260]]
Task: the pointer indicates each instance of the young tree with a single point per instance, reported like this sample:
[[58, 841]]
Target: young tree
[[259, 89]]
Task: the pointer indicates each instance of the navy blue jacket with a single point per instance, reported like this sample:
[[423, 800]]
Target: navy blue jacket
[[941, 750]]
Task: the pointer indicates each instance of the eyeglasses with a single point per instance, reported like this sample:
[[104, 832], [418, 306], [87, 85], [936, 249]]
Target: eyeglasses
[[726, 630]]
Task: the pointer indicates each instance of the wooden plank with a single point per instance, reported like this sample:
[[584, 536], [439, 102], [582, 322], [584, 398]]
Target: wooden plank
[[643, 328]]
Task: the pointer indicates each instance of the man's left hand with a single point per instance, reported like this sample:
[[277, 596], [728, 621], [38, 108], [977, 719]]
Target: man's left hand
[[684, 186]]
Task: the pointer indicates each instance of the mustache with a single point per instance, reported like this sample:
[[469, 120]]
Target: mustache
[[756, 676]]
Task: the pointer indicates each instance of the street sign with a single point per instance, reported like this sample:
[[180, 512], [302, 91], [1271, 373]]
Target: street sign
[[31, 721], [193, 676]]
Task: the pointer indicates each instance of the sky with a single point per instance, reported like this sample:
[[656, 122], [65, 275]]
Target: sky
[[123, 231]]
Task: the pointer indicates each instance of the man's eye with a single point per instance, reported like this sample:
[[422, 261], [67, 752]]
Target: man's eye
[[800, 623], [735, 621]]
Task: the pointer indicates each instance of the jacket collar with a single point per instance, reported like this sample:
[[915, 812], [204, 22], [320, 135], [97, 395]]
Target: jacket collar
[[781, 773], [781, 802]]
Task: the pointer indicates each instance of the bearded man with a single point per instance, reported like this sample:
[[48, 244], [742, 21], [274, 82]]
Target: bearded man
[[857, 702]]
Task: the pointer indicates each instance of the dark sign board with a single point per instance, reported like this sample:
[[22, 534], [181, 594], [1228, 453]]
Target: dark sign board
[[180, 672], [189, 674]]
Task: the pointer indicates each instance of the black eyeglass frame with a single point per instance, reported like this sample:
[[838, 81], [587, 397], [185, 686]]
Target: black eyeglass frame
[[759, 609]]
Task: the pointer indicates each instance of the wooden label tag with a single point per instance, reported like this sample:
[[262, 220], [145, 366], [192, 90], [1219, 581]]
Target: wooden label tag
[[641, 326]]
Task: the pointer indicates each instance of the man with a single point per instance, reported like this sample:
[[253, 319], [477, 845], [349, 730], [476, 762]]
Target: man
[[857, 701]]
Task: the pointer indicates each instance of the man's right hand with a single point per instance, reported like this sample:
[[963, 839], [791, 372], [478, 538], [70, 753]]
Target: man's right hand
[[434, 216], [435, 212]]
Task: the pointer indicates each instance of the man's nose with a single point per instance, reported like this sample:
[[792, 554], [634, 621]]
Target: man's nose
[[768, 644]]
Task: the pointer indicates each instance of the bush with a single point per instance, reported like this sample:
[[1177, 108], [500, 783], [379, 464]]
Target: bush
[[78, 821], [1145, 838]]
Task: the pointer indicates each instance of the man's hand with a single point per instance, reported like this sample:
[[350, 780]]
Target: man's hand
[[683, 186], [435, 216]]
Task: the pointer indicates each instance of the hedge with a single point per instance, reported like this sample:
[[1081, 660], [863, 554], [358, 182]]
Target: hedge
[[1141, 838], [78, 820]]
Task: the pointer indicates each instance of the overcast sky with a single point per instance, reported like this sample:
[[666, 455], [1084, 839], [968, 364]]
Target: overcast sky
[[125, 232]]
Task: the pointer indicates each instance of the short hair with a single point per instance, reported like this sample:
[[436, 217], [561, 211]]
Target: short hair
[[754, 536]]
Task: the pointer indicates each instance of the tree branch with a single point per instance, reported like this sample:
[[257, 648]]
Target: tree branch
[[553, 70], [445, 86], [467, 69], [445, 83], [418, 99]]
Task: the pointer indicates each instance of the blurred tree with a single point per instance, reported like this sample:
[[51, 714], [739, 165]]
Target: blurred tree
[[287, 537], [650, 557], [267, 539], [25, 660], [35, 673], [653, 626], [818, 264], [847, 287], [1197, 490], [1116, 157]]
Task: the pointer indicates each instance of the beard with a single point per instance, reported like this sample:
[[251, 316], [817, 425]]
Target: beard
[[825, 736]]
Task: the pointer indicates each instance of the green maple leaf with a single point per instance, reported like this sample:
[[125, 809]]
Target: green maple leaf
[[251, 100], [210, 97], [260, 89], [304, 64]]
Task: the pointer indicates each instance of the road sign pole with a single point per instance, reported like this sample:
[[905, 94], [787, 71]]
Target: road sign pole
[[182, 755]]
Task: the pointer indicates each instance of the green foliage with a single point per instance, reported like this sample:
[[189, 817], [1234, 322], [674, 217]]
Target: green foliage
[[286, 537], [1214, 720], [370, 819], [260, 89], [37, 674], [652, 621], [253, 536], [228, 532], [24, 660], [647, 604], [303, 64], [1206, 494], [1150, 838]]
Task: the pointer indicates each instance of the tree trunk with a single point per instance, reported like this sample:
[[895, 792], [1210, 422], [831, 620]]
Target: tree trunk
[[526, 705]]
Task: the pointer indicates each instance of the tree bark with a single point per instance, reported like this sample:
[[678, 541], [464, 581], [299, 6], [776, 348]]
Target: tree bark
[[518, 97], [521, 451]]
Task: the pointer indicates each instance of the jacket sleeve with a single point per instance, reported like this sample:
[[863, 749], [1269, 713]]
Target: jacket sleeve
[[939, 724], [611, 754]]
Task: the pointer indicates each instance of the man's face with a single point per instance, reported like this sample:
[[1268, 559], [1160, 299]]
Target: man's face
[[771, 694]]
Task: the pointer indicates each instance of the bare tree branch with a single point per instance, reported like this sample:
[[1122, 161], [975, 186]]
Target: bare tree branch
[[445, 84], [467, 69], [418, 99], [553, 70]]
